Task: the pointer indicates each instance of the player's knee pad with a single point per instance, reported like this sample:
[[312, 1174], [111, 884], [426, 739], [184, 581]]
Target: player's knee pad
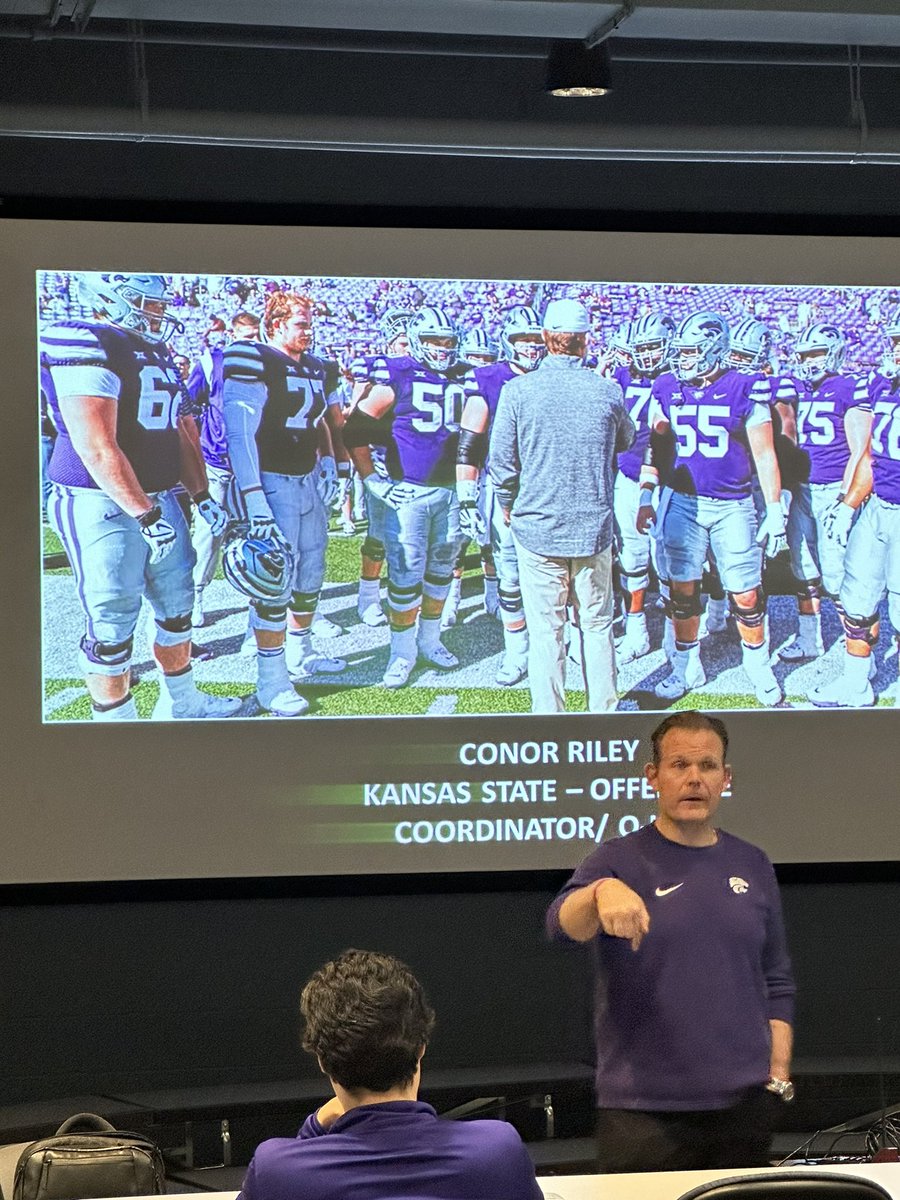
[[436, 584], [634, 581], [271, 617], [404, 599], [752, 616], [809, 589], [105, 658], [860, 629], [373, 549], [510, 600], [684, 608], [303, 603], [173, 631]]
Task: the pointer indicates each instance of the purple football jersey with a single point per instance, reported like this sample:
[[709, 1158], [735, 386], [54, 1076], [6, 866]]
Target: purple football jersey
[[637, 391], [884, 395], [710, 427], [83, 357], [821, 410], [488, 382], [424, 421]]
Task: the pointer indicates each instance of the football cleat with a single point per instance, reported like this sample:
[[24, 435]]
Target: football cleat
[[198, 706], [798, 650], [635, 643], [765, 686], [398, 672], [317, 664], [512, 670], [439, 656], [323, 628], [687, 674], [840, 693], [372, 615], [283, 702]]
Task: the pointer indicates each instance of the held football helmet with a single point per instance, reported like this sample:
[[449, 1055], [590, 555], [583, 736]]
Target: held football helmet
[[620, 345], [426, 325], [700, 346], [258, 568], [649, 339], [890, 364], [751, 346], [478, 349], [819, 351], [521, 338], [135, 302], [394, 323]]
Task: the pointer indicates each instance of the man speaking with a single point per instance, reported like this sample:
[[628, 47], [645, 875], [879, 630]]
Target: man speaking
[[694, 999]]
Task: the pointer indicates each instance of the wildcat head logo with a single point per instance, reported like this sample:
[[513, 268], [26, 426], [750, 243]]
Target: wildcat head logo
[[738, 885]]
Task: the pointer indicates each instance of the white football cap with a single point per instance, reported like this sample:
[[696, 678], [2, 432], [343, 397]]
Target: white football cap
[[566, 316]]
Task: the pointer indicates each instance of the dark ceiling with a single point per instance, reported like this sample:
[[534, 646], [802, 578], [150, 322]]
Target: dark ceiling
[[751, 107]]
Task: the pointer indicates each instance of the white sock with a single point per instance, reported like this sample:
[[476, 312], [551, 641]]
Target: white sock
[[635, 623], [810, 630], [180, 686], [515, 642], [490, 588], [403, 642], [856, 669], [126, 711], [369, 592], [298, 646], [429, 632]]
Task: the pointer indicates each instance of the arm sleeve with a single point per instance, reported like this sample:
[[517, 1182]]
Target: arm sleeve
[[242, 403], [596, 866], [779, 975], [504, 452]]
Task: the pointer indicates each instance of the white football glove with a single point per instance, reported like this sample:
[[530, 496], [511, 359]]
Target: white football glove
[[772, 531], [837, 521], [327, 480], [471, 521], [389, 491], [157, 533], [262, 523], [212, 513]]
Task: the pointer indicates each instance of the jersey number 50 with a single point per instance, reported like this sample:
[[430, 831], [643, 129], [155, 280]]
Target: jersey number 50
[[440, 405]]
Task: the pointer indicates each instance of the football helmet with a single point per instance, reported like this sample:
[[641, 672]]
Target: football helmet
[[425, 326], [123, 300], [521, 338], [394, 324], [819, 351], [259, 568], [620, 345], [700, 346], [751, 346], [478, 349], [649, 340], [890, 364]]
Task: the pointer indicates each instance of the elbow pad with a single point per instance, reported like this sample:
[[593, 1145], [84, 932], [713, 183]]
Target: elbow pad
[[472, 446], [363, 430]]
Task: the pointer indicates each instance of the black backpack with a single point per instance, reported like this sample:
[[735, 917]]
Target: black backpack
[[85, 1165]]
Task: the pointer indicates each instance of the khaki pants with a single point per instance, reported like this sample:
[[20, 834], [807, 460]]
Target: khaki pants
[[549, 585]]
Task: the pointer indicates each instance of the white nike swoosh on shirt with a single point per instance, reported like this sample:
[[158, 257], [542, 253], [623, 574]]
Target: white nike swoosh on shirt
[[665, 891]]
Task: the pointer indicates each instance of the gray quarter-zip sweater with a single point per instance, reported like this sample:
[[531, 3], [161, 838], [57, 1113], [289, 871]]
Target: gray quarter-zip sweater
[[554, 442]]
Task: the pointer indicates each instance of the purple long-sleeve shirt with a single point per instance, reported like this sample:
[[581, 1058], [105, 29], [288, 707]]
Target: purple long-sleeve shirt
[[394, 1151], [682, 1024]]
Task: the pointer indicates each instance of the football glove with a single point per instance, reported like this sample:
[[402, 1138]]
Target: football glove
[[212, 513], [772, 531], [837, 521], [157, 533], [389, 491], [327, 480], [471, 521], [262, 524]]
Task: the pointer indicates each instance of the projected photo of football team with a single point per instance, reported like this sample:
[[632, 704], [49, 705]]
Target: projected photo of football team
[[363, 497]]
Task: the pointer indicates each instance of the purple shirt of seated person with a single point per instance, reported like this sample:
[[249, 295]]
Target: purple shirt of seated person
[[367, 1021]]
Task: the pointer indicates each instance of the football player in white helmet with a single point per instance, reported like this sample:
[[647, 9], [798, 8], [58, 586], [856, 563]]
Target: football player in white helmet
[[722, 421], [523, 347], [120, 453], [478, 349], [275, 399], [412, 406]]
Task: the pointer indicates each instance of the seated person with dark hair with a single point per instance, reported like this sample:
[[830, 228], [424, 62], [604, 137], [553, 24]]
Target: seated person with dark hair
[[367, 1021]]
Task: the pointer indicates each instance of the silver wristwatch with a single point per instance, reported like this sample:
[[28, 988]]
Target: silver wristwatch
[[782, 1088]]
